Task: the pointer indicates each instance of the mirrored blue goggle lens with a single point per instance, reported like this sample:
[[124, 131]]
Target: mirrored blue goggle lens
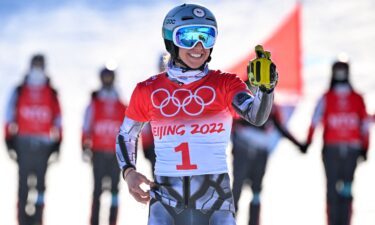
[[188, 37]]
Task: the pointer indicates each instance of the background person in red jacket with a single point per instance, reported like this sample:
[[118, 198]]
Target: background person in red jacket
[[102, 119], [32, 133], [252, 146], [342, 112]]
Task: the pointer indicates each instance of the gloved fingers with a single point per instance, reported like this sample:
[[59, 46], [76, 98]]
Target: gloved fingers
[[262, 71], [259, 51]]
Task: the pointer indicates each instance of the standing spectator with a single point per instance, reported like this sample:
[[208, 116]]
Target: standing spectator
[[32, 133], [251, 148], [190, 110], [147, 138], [342, 112], [102, 119]]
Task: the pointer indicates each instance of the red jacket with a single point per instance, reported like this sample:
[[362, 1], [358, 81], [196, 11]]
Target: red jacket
[[35, 111], [102, 123], [344, 119]]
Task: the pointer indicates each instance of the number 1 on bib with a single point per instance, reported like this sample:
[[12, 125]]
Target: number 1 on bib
[[186, 164]]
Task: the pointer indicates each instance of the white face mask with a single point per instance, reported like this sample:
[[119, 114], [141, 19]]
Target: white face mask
[[185, 77], [36, 77]]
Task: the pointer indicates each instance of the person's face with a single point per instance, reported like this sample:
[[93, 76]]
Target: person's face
[[38, 65], [340, 74], [107, 80], [194, 57]]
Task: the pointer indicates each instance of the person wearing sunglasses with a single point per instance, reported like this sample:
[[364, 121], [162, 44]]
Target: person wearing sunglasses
[[190, 109]]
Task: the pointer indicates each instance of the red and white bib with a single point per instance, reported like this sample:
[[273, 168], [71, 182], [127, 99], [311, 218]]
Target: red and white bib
[[191, 124]]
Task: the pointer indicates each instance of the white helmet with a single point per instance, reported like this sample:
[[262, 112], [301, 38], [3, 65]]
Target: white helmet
[[186, 14]]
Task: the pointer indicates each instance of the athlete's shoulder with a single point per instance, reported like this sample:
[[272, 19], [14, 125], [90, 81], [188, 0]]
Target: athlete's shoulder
[[152, 80], [49, 86], [358, 98], [225, 77], [327, 93], [222, 74], [94, 94], [356, 94]]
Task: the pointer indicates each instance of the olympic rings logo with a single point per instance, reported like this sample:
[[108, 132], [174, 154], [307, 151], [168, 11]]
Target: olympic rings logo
[[183, 104]]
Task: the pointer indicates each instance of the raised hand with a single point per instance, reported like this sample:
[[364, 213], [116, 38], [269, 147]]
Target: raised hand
[[262, 71]]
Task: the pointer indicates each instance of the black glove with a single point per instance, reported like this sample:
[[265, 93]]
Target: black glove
[[54, 154], [56, 147], [363, 155], [11, 147], [303, 147], [10, 142]]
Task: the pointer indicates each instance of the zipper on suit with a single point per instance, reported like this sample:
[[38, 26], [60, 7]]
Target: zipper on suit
[[186, 191]]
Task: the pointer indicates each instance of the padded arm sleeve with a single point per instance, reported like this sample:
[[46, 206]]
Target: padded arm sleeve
[[254, 109], [126, 143]]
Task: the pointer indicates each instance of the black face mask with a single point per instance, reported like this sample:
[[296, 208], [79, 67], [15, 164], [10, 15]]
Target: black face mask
[[339, 76], [107, 82]]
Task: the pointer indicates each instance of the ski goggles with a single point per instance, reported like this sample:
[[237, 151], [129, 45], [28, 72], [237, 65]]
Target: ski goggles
[[188, 36]]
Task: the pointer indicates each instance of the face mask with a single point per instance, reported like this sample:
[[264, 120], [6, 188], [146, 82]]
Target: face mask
[[107, 82], [340, 75], [36, 77], [185, 77]]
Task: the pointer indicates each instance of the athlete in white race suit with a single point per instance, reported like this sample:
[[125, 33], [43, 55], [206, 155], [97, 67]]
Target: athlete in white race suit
[[190, 110]]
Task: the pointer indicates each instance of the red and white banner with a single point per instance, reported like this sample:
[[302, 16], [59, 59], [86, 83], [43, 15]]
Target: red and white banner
[[285, 47]]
